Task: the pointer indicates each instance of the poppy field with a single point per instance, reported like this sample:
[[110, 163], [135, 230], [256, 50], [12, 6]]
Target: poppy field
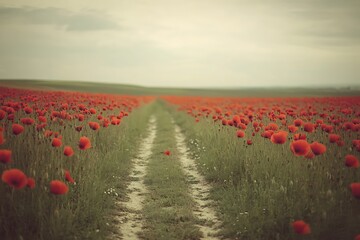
[[278, 168], [282, 168], [59, 155]]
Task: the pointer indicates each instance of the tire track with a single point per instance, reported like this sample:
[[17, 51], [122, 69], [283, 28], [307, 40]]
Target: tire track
[[199, 190], [130, 220]]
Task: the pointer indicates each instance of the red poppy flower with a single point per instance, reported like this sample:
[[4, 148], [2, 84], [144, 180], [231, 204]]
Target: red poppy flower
[[2, 139], [68, 151], [310, 155], [30, 183], [240, 134], [28, 110], [56, 142], [298, 122], [10, 117], [300, 147], [48, 133], [58, 187], [27, 121], [272, 126], [292, 128], [279, 137], [351, 161], [357, 237], [68, 177], [84, 143], [355, 189], [299, 136], [17, 129], [78, 128], [2, 114], [267, 134], [14, 178], [94, 125], [92, 110], [167, 152], [318, 148], [334, 138], [5, 156], [301, 227], [249, 142], [42, 119], [309, 127], [356, 143]]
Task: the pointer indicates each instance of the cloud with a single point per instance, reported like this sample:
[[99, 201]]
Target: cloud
[[71, 21], [331, 22]]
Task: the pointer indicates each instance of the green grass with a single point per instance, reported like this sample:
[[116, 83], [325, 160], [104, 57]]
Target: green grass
[[168, 209], [262, 188], [86, 211]]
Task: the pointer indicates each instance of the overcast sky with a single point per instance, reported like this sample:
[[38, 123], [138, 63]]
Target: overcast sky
[[227, 43]]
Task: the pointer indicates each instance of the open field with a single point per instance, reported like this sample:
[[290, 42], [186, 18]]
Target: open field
[[139, 90], [132, 162]]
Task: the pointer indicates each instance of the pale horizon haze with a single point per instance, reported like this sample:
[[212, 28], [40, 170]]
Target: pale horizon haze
[[200, 43]]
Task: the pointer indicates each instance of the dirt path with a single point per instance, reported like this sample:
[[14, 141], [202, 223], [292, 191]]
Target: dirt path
[[199, 190], [130, 221]]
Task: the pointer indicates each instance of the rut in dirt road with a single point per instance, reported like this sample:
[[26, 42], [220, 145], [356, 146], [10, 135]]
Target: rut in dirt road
[[130, 218], [199, 190]]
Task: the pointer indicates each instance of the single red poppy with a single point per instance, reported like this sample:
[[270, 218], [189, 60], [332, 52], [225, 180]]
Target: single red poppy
[[267, 133], [68, 177], [167, 152], [318, 148], [355, 189], [17, 129], [351, 161], [292, 128], [94, 125], [84, 143], [28, 110], [279, 137], [272, 126], [58, 187], [249, 142], [333, 138], [2, 114], [299, 136], [298, 122], [27, 121], [56, 142], [309, 127], [68, 151], [300, 147], [14, 178], [5, 156], [310, 155], [240, 134], [42, 119], [301, 227], [30, 183], [78, 128], [2, 138]]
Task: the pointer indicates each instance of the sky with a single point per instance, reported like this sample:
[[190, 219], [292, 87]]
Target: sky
[[197, 43]]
